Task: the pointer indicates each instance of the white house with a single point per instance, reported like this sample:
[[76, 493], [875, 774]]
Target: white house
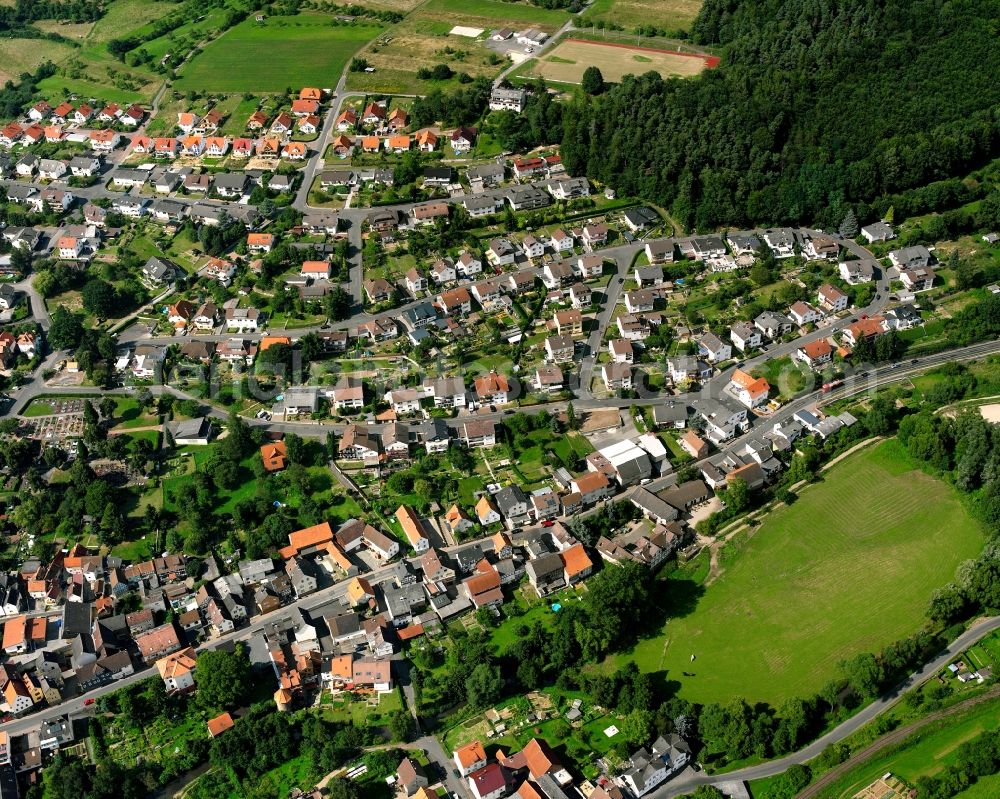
[[744, 336], [714, 348], [803, 313]]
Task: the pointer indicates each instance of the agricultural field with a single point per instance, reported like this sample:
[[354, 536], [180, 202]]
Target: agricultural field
[[233, 63], [670, 15], [127, 16], [848, 568], [566, 62], [88, 70], [422, 39], [26, 55]]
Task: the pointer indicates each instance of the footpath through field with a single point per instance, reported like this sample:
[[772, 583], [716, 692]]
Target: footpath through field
[[893, 737]]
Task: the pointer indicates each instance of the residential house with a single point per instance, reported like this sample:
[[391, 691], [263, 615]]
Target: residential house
[[781, 242], [621, 351], [831, 299], [158, 642], [773, 325], [478, 433], [469, 758], [751, 391], [745, 336], [559, 349], [694, 445], [864, 328], [594, 235], [802, 313], [501, 252], [713, 348], [546, 573], [815, 353], [857, 272], [592, 487], [580, 296], [918, 278], [502, 99], [492, 389], [177, 668], [683, 368], [878, 231], [617, 376], [660, 251]]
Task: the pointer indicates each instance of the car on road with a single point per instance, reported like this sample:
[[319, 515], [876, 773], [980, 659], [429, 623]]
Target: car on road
[[548, 523], [89, 701]]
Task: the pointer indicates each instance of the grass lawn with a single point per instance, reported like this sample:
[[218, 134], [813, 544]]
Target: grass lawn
[[152, 436], [347, 707], [26, 55], [925, 753], [299, 772], [233, 63], [786, 376], [496, 10], [129, 413], [672, 15], [846, 569], [123, 17], [467, 488], [134, 551], [38, 408], [987, 788]]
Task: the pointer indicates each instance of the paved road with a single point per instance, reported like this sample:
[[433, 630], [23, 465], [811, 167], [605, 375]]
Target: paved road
[[323, 601], [689, 779]]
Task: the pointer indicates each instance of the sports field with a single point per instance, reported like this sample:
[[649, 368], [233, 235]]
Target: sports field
[[566, 62], [670, 15], [847, 568], [281, 52]]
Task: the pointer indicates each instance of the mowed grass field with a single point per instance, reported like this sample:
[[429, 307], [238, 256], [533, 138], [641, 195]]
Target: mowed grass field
[[566, 62], [421, 39], [671, 15], [282, 52], [848, 568], [925, 753]]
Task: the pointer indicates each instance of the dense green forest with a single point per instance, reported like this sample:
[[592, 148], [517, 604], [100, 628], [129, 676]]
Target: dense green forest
[[818, 106], [15, 19]]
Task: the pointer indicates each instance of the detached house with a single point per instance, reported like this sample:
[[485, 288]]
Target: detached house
[[749, 390], [714, 348], [744, 336], [831, 299], [815, 353], [803, 313]]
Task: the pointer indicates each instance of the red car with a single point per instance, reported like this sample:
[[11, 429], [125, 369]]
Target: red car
[[89, 701], [548, 523]]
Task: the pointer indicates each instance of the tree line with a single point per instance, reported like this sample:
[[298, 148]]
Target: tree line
[[14, 19]]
